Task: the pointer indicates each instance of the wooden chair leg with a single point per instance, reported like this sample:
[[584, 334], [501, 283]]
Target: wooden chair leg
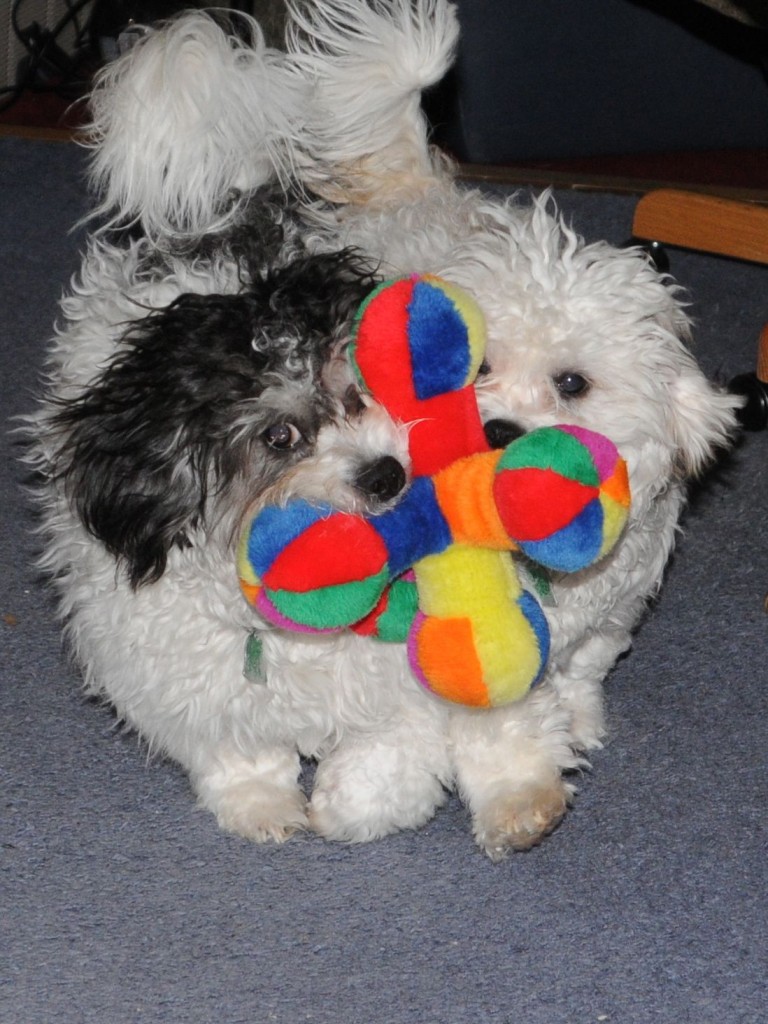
[[762, 356]]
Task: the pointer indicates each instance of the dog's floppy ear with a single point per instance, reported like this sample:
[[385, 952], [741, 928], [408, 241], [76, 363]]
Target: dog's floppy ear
[[139, 445], [138, 507], [131, 480], [703, 419], [699, 417]]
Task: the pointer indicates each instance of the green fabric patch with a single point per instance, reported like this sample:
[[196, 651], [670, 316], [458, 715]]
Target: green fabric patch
[[394, 623], [331, 607], [549, 448]]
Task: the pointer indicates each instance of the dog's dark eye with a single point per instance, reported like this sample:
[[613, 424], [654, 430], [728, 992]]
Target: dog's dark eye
[[282, 436], [571, 384], [353, 403]]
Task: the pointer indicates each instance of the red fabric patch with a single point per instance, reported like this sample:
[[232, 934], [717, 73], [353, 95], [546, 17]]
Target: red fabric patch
[[535, 503], [381, 347], [312, 560], [444, 428], [369, 625]]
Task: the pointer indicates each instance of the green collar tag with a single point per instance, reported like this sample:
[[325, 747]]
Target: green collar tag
[[536, 578], [253, 668]]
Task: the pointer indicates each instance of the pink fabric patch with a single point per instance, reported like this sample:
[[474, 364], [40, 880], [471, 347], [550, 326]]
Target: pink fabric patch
[[603, 451], [413, 653]]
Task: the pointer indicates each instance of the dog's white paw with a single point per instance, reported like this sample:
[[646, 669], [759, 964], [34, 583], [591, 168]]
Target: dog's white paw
[[334, 816], [363, 795], [584, 704], [519, 818], [588, 729], [258, 797], [261, 811]]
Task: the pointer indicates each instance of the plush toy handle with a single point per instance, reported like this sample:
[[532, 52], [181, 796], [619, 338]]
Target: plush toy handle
[[560, 495], [417, 346]]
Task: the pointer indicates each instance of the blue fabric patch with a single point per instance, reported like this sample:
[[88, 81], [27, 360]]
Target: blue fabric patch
[[438, 342], [414, 528], [531, 609], [574, 547], [274, 528]]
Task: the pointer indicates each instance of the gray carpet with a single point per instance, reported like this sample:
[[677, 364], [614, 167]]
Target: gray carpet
[[121, 902]]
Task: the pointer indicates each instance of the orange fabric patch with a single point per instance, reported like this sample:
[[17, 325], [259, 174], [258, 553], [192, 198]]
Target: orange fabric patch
[[251, 591], [617, 485], [465, 494], [445, 650]]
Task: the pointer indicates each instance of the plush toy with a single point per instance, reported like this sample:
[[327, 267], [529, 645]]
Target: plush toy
[[435, 570]]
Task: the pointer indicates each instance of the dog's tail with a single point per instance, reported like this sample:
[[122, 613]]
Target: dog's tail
[[369, 61], [191, 118]]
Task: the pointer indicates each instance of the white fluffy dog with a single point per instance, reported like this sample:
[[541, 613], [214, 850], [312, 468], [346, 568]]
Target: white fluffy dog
[[153, 436]]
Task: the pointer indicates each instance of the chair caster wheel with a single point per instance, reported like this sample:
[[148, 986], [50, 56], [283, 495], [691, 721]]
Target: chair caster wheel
[[754, 413], [655, 252]]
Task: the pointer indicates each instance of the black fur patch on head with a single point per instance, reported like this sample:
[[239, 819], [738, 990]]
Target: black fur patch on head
[[188, 399], [266, 233]]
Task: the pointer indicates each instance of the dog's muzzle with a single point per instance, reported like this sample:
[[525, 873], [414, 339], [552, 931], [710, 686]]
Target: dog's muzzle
[[500, 433], [382, 479]]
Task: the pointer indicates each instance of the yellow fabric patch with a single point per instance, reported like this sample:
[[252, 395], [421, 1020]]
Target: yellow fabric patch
[[615, 499], [244, 568], [482, 587], [614, 518]]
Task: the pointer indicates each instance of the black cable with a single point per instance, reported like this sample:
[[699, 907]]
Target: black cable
[[73, 13], [41, 45], [43, 55]]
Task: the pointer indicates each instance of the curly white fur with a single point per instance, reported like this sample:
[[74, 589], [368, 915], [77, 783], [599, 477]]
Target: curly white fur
[[181, 121], [217, 113]]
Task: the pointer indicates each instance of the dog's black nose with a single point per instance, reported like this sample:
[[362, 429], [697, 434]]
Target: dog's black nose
[[382, 479], [500, 433]]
